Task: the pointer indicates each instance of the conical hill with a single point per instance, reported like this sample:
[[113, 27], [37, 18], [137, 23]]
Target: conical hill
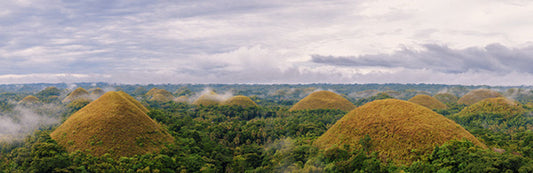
[[446, 98], [210, 98], [96, 92], [323, 100], [427, 101], [159, 95], [240, 100], [494, 106], [29, 100], [396, 129], [115, 123], [78, 93], [475, 96]]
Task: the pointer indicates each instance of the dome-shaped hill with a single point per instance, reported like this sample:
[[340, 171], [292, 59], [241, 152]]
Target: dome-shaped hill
[[76, 94], [115, 123], [427, 101], [446, 98], [210, 98], [396, 128], [29, 100], [240, 100], [323, 100], [96, 92], [182, 99], [494, 106], [159, 95], [475, 96]]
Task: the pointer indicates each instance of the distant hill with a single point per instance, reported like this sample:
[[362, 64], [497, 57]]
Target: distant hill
[[427, 101], [323, 100], [210, 98], [115, 123], [240, 100], [446, 98], [397, 130], [477, 95], [29, 100], [78, 93], [159, 95]]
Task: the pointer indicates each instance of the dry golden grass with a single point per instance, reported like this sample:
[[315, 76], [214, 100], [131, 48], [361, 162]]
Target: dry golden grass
[[399, 130], [475, 96], [207, 99], [159, 95], [428, 102], [323, 100], [116, 124], [497, 106], [240, 100], [29, 100], [76, 94]]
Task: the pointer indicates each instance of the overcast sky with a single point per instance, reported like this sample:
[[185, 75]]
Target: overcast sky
[[213, 41]]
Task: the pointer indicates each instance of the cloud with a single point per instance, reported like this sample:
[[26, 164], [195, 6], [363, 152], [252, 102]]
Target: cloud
[[494, 58]]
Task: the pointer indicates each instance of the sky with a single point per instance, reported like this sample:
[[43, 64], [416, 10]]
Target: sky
[[475, 42]]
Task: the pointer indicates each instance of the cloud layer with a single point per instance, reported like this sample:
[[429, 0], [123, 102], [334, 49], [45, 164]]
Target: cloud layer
[[265, 41]]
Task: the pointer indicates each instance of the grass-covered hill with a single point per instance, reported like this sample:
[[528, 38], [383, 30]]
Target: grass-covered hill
[[323, 100], [29, 100], [446, 98], [427, 101], [159, 95], [497, 114], [397, 130], [78, 93], [240, 100], [96, 92], [477, 95], [207, 99], [115, 123]]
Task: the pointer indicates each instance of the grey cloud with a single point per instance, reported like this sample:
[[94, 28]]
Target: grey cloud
[[494, 58]]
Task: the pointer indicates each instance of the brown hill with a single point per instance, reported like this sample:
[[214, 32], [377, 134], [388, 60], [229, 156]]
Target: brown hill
[[427, 101], [210, 98], [96, 92], [29, 100], [182, 99], [399, 130], [446, 98], [159, 95], [115, 123], [76, 94], [494, 106], [240, 100], [475, 96], [323, 100]]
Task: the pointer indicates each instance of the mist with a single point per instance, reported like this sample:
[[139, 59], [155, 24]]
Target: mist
[[24, 120]]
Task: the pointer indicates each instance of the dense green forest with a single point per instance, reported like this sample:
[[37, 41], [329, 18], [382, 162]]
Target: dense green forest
[[268, 138]]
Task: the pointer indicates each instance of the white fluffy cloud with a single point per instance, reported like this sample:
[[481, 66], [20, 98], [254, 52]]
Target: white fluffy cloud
[[337, 41]]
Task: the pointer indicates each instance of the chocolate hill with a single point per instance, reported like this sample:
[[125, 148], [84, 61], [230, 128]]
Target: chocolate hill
[[159, 95], [475, 96], [240, 100], [78, 93], [210, 98], [116, 124], [29, 100], [323, 100], [446, 98], [494, 106], [96, 92], [427, 101], [396, 128]]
